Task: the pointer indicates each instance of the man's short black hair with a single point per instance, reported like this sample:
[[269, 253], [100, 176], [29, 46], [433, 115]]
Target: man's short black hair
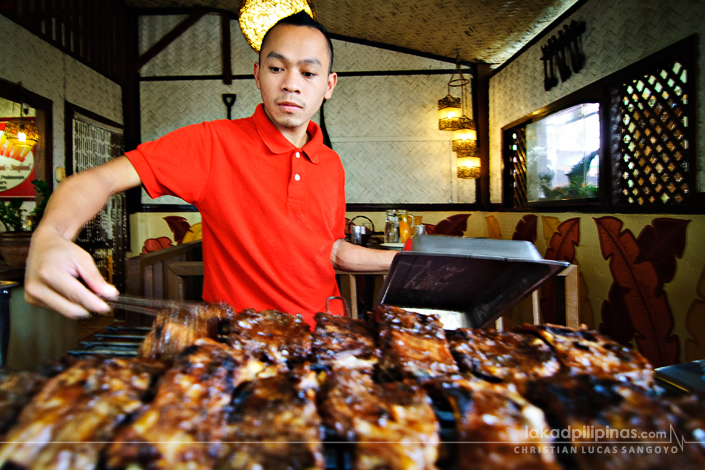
[[301, 19]]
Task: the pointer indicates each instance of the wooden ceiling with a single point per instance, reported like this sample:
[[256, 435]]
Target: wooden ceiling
[[484, 31]]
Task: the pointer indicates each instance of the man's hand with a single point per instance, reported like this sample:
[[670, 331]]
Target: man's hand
[[60, 275], [55, 268]]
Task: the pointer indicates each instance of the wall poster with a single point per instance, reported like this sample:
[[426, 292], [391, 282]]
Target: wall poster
[[16, 167]]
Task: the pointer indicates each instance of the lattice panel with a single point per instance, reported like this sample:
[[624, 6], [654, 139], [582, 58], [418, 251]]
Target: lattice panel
[[656, 162], [517, 152]]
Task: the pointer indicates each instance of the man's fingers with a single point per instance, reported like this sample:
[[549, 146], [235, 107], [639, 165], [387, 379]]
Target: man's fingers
[[46, 298]]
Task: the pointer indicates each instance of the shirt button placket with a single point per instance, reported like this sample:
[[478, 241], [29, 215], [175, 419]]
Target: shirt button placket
[[297, 189]]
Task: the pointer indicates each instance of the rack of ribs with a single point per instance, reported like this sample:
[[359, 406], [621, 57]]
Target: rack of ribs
[[341, 342], [17, 388], [272, 336], [505, 356], [75, 415], [176, 328], [492, 422], [616, 425], [392, 425], [183, 426], [275, 424], [582, 351], [413, 345]]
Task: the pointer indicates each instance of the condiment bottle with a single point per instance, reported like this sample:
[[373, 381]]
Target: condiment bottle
[[404, 226]]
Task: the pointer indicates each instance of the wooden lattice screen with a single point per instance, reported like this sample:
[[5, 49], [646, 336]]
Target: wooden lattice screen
[[517, 167], [655, 157]]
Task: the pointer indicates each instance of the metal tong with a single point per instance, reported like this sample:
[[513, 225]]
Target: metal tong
[[148, 306]]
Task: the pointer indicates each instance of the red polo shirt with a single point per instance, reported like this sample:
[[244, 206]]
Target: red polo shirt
[[270, 211]]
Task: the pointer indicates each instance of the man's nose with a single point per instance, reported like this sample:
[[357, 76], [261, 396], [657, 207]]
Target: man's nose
[[292, 82]]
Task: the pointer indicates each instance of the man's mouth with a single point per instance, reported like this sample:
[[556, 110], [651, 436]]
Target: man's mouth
[[289, 106]]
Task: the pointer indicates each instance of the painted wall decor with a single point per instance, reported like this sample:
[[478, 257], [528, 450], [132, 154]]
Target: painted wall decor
[[182, 230], [563, 53], [638, 306], [526, 229], [561, 247]]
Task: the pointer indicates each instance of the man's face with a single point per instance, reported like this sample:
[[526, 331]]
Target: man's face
[[293, 76]]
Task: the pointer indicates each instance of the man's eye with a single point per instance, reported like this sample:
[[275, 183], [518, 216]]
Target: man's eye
[[275, 69], [309, 74]]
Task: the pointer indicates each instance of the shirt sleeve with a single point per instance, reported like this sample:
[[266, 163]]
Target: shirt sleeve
[[176, 164]]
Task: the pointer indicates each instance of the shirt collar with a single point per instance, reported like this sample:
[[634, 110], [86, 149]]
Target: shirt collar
[[277, 143]]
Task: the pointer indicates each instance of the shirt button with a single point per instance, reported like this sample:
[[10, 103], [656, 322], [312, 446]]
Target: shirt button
[[297, 177], [298, 155]]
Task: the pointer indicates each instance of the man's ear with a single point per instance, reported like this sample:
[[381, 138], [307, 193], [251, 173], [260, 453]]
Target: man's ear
[[256, 72], [332, 81]]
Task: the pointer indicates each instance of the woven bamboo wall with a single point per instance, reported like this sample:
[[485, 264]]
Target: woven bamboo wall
[[47, 72], [618, 34], [384, 127]]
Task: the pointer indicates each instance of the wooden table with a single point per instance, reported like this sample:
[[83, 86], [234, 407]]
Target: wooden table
[[352, 283]]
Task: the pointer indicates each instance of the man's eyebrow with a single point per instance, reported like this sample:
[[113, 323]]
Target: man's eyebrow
[[276, 55]]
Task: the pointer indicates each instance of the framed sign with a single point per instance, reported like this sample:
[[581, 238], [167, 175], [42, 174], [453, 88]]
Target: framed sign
[[16, 168]]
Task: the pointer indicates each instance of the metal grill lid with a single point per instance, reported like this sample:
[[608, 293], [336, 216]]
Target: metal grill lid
[[469, 282]]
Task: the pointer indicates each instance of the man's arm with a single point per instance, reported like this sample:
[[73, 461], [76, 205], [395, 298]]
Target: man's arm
[[348, 257], [56, 266]]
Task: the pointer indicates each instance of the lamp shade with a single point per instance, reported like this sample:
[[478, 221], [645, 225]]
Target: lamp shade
[[468, 167], [22, 133], [465, 136], [257, 16], [449, 113]]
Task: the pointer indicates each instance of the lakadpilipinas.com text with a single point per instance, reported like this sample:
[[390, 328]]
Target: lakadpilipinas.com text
[[591, 440]]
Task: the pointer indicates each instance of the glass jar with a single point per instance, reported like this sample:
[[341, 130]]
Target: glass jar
[[391, 228], [404, 226]]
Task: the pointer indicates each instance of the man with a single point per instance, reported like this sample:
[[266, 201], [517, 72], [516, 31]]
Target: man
[[271, 196]]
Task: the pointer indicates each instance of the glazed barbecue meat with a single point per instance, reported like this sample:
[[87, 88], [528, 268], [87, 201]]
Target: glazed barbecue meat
[[492, 422], [342, 342], [273, 336], [17, 388], [615, 425], [505, 356], [582, 351], [176, 328], [275, 424], [66, 423], [181, 427], [392, 425], [413, 345]]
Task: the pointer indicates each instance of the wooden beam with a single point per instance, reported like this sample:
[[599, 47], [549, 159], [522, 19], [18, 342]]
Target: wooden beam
[[169, 38], [225, 40], [483, 133]]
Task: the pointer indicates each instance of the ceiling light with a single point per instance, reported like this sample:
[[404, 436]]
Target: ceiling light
[[257, 16]]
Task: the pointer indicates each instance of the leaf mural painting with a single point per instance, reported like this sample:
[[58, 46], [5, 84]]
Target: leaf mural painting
[[454, 225], [493, 230], [561, 247], [644, 299], [694, 347], [178, 226], [526, 229]]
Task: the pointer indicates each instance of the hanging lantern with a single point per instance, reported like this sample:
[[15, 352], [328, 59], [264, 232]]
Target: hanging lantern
[[22, 133], [468, 166], [465, 136], [257, 16], [449, 112]]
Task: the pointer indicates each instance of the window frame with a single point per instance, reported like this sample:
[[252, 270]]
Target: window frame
[[605, 92]]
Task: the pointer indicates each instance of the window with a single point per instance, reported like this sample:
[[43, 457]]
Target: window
[[563, 155], [624, 142]]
